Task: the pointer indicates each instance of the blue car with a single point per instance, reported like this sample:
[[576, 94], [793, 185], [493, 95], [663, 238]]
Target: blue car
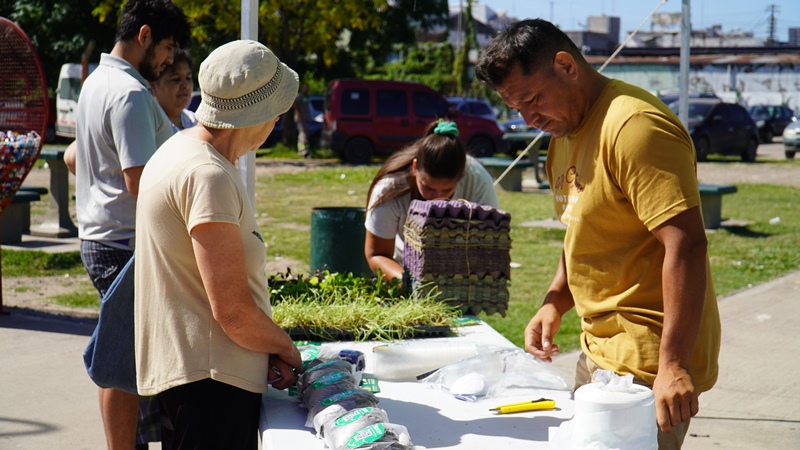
[[517, 125], [771, 120], [315, 106], [719, 127]]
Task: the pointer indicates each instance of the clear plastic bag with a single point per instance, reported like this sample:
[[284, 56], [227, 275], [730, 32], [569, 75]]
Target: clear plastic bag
[[338, 432], [379, 436], [497, 373], [319, 375]]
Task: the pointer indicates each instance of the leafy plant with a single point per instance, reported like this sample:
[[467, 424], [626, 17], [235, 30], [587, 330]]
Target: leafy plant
[[336, 305]]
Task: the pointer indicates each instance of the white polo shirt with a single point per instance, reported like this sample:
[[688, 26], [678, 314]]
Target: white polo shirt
[[120, 125]]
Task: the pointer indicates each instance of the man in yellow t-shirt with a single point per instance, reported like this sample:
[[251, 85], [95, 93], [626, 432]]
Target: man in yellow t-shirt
[[635, 264]]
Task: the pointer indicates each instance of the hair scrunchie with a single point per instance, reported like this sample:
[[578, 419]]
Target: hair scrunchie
[[446, 129]]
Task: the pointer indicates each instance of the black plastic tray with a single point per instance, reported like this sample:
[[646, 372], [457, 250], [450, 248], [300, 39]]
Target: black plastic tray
[[330, 335]]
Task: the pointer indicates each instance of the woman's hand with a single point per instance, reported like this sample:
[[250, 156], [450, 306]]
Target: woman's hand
[[282, 373]]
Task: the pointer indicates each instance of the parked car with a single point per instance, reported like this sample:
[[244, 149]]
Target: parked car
[[718, 127], [70, 80], [517, 125], [669, 97], [474, 106], [363, 117], [791, 139], [194, 102], [771, 120]]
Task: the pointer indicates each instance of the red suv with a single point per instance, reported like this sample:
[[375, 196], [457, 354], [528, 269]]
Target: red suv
[[363, 117]]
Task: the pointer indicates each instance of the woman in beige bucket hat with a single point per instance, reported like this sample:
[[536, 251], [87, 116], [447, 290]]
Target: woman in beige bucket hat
[[206, 345]]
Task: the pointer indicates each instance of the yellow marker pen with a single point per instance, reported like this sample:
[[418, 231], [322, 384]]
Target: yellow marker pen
[[533, 405]]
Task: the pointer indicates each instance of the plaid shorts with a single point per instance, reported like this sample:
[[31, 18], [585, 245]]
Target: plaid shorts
[[104, 263]]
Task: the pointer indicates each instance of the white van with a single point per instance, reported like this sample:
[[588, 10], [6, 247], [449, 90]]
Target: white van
[[69, 88]]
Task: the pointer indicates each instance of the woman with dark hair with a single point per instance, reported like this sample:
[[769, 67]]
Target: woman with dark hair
[[434, 167], [173, 90]]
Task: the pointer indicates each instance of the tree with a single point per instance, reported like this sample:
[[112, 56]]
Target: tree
[[60, 30], [317, 38], [428, 63], [462, 65], [322, 38]]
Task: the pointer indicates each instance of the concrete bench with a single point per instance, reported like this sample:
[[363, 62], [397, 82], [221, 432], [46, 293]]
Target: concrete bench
[[29, 188], [57, 222], [16, 219], [513, 179], [711, 202], [537, 154]]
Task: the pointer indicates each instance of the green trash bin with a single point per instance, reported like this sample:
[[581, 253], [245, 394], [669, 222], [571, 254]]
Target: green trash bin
[[337, 240]]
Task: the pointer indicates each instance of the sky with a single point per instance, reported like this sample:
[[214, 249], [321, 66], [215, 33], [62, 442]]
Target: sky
[[745, 15]]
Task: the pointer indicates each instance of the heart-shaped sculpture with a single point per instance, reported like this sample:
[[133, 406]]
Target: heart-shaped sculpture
[[23, 109]]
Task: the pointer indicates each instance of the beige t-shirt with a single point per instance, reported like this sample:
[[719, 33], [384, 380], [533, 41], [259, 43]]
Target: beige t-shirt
[[187, 183], [628, 168]]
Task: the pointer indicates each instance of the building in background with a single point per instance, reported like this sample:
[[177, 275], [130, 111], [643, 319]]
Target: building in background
[[734, 65], [601, 36], [794, 37]]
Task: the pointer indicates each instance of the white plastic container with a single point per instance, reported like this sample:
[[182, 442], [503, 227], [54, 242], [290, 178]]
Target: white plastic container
[[404, 361]]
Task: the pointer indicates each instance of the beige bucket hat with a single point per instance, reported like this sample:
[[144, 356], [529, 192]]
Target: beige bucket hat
[[243, 84]]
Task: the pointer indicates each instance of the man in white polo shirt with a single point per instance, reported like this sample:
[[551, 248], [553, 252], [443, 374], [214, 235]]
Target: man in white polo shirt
[[119, 127]]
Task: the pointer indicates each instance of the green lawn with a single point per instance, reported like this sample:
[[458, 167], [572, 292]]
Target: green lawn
[[758, 251]]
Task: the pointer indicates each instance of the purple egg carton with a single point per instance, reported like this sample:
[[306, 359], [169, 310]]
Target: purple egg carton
[[454, 261], [457, 214]]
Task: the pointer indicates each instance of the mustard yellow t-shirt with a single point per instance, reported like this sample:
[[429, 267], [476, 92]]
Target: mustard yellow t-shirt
[[628, 168]]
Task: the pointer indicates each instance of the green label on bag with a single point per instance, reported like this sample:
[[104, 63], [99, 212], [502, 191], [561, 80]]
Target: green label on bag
[[370, 384], [351, 417], [328, 379], [336, 397], [367, 435]]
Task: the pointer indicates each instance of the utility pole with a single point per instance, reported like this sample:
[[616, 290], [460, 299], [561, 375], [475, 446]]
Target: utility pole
[[772, 9]]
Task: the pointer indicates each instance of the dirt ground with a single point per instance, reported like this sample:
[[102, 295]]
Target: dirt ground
[[33, 293]]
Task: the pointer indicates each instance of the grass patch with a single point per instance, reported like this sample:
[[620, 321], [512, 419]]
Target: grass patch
[[37, 263], [284, 204], [767, 247], [23, 289], [281, 151], [79, 299]]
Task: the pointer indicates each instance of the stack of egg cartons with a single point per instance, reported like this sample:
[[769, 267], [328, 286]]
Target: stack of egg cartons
[[462, 250], [345, 416]]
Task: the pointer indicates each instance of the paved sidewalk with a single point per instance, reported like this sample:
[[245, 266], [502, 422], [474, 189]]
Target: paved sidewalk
[[756, 402], [48, 402]]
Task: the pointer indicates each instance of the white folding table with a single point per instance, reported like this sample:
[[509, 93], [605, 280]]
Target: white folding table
[[435, 419]]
